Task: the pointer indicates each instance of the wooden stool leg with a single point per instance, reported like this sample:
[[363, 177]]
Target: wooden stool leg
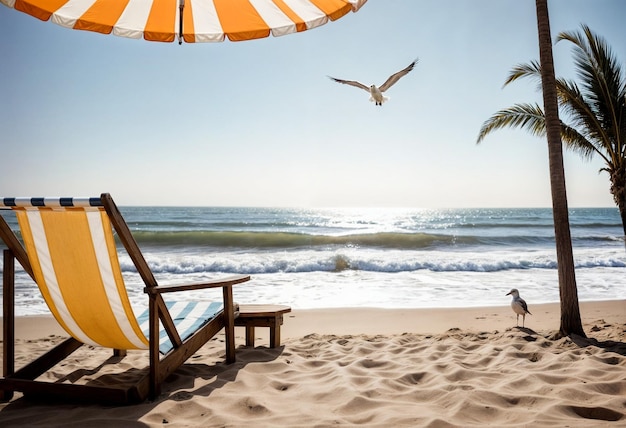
[[250, 335], [275, 332], [269, 316]]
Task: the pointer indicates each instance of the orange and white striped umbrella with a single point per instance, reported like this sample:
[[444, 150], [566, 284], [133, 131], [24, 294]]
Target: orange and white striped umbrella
[[200, 20]]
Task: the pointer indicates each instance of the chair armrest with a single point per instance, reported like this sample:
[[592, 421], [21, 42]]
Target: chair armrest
[[222, 282]]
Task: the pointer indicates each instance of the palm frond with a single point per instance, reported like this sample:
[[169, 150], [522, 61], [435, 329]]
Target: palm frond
[[531, 118], [532, 69], [578, 143], [525, 116], [604, 89], [582, 116]]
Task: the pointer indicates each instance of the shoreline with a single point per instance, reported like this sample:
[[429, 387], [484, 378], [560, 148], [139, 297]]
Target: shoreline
[[374, 321]]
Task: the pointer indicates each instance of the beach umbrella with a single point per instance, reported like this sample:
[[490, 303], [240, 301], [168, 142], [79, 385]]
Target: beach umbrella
[[191, 21]]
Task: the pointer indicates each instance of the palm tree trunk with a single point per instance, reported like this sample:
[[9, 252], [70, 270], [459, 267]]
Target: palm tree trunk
[[621, 205], [570, 312], [618, 190]]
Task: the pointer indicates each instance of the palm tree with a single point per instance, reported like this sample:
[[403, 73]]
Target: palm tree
[[568, 293], [524, 116], [596, 109]]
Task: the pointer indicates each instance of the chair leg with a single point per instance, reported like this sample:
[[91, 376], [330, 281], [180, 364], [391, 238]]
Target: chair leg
[[119, 353], [154, 348], [229, 323], [8, 314]]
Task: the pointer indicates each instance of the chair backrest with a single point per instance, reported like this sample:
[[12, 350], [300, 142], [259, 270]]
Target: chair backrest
[[74, 261]]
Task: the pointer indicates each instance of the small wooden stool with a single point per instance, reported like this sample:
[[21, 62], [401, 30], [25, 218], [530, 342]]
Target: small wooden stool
[[251, 316]]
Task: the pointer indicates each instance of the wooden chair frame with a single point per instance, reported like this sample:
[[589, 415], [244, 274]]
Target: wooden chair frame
[[149, 385]]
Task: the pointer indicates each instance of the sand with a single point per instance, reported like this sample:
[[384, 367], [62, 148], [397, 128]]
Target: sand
[[370, 367]]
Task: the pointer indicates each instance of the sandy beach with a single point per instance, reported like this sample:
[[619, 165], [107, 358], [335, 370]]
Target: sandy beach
[[370, 367]]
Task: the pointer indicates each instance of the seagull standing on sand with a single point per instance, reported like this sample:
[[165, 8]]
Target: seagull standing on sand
[[377, 92], [519, 305]]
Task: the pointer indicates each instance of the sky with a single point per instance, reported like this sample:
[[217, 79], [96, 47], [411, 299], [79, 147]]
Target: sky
[[258, 123]]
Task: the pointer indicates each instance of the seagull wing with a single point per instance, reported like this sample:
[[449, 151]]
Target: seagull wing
[[524, 305], [395, 77], [351, 83]]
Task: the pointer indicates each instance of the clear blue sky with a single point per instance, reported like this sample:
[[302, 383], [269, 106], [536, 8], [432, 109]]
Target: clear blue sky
[[259, 124]]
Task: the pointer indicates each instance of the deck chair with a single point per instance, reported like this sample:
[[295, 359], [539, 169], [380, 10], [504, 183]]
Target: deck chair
[[70, 251]]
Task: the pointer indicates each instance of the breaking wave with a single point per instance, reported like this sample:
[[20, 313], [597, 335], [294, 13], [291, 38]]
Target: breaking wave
[[378, 262], [277, 240]]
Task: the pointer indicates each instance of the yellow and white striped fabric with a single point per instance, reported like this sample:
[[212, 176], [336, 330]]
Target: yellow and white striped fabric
[[203, 20], [74, 261]]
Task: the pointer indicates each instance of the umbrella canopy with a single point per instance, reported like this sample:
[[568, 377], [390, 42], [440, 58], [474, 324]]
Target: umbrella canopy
[[200, 20]]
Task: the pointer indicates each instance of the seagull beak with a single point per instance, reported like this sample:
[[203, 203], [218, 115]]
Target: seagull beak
[[507, 293]]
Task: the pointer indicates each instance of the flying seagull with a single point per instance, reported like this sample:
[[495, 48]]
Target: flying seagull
[[377, 92], [519, 306]]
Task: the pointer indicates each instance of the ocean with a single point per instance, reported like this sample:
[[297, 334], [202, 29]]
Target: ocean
[[371, 257]]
